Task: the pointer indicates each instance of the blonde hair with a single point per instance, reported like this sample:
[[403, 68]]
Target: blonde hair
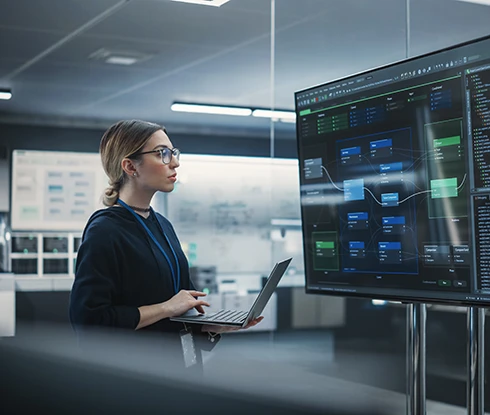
[[122, 140]]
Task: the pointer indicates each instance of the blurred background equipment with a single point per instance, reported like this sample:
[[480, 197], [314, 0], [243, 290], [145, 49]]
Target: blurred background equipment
[[204, 279]]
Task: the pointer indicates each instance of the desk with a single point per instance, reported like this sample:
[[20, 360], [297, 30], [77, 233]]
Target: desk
[[58, 283], [7, 305]]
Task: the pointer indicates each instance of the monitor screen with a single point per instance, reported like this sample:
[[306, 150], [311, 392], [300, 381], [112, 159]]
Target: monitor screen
[[24, 266], [395, 180], [55, 265], [55, 244], [24, 244]]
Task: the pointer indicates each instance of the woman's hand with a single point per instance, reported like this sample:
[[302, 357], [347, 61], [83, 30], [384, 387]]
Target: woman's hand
[[185, 301], [225, 329]]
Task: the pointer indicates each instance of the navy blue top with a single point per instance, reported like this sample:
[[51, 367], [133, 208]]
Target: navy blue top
[[119, 268]]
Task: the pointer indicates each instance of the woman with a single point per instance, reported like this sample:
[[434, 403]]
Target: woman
[[131, 272]]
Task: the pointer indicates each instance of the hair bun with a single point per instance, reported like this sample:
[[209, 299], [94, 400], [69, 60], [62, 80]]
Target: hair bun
[[111, 194]]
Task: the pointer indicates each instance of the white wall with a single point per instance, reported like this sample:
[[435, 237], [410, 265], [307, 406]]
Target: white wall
[[4, 186]]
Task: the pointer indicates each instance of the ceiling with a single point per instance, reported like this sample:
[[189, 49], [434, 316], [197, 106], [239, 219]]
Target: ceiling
[[204, 54]]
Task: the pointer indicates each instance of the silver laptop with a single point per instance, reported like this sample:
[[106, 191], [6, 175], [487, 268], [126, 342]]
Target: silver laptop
[[239, 318]]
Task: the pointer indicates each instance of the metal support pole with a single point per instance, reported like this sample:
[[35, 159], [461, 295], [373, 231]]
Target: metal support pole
[[272, 77], [416, 330], [476, 361], [407, 28]]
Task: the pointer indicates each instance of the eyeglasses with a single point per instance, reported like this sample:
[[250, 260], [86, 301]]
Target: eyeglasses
[[165, 153]]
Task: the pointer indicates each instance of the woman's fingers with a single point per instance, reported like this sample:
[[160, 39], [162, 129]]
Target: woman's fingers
[[224, 329], [254, 322], [199, 309], [196, 293]]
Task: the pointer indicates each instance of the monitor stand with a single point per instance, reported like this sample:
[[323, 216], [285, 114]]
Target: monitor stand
[[476, 361], [416, 358]]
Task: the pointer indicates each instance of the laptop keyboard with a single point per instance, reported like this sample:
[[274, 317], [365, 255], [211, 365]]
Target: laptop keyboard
[[226, 316]]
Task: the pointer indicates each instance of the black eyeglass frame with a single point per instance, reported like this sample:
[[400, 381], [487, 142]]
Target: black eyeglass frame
[[175, 152]]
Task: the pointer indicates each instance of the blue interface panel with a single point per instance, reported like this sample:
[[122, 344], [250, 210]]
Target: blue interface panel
[[379, 189]]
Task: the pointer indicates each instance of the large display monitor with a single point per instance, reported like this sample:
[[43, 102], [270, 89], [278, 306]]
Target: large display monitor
[[395, 180]]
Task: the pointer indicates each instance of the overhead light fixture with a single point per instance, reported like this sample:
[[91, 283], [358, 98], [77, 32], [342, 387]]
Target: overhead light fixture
[[211, 109], [5, 94], [379, 302], [214, 3], [281, 115], [482, 2], [275, 115]]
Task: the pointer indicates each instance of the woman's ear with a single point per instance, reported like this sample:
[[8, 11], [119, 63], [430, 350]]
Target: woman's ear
[[129, 167]]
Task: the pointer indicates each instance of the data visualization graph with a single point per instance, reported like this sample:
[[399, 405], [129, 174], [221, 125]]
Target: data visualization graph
[[386, 193], [395, 179]]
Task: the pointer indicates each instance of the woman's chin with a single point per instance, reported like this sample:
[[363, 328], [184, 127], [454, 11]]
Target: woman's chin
[[167, 188]]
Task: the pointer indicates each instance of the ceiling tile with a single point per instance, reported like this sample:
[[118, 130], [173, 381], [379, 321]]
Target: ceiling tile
[[312, 52], [108, 77], [217, 81], [165, 56], [180, 22], [6, 67], [257, 6], [48, 99], [52, 15], [459, 22], [24, 45]]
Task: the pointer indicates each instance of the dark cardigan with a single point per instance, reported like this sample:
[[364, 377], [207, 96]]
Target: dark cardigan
[[119, 268]]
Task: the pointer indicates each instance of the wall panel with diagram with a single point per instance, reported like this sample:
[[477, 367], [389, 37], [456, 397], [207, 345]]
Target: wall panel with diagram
[[55, 191]]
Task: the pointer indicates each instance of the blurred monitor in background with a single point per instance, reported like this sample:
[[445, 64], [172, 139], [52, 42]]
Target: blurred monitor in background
[[204, 279]]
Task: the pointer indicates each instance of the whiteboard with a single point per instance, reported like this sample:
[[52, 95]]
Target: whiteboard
[[55, 191], [222, 208]]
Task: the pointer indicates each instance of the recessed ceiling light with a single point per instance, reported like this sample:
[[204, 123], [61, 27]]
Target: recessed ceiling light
[[121, 60], [5, 94], [282, 115], [211, 109], [214, 3], [119, 57]]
